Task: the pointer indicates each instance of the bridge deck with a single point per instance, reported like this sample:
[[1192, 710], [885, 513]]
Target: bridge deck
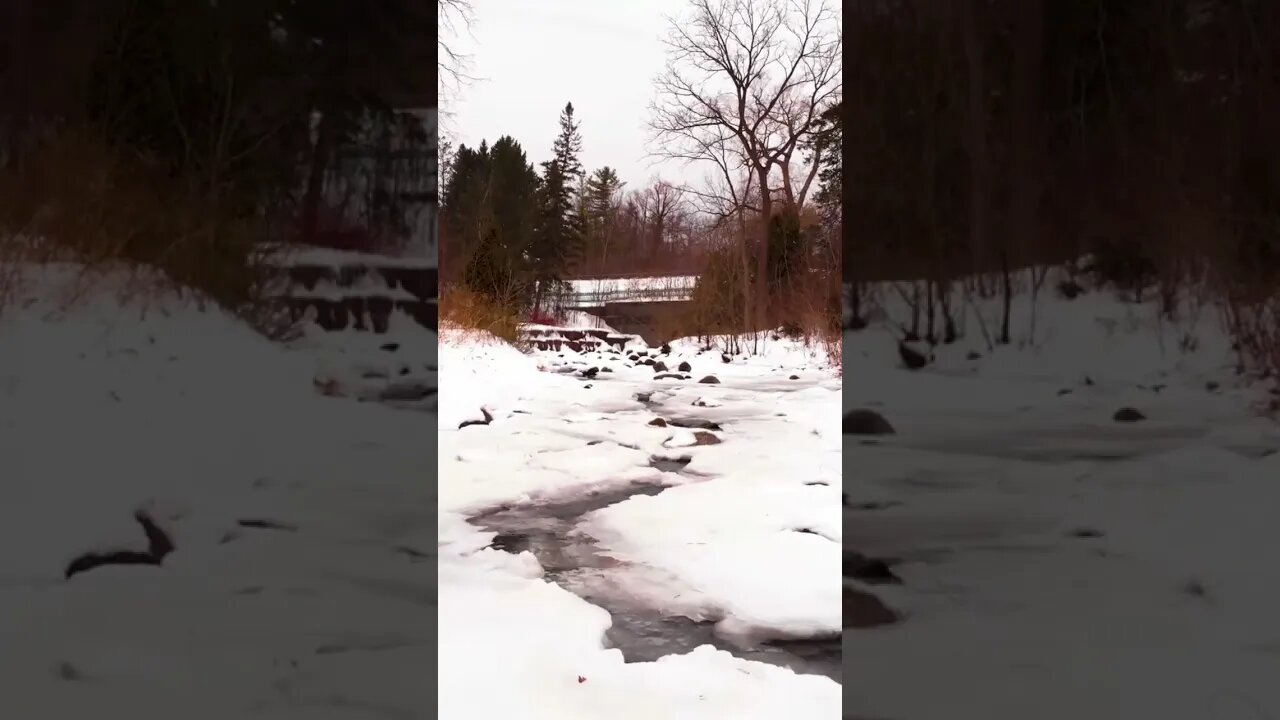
[[599, 292]]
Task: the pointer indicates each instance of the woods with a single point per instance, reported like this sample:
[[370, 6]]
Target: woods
[[749, 100], [992, 135], [187, 137]]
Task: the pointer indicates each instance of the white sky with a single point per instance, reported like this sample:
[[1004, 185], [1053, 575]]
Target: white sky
[[530, 57]]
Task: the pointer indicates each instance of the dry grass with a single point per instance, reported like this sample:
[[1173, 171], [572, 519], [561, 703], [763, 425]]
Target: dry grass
[[466, 309], [85, 202]]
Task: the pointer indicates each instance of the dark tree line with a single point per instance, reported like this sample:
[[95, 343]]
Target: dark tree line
[[515, 232], [993, 135], [750, 93], [233, 117]]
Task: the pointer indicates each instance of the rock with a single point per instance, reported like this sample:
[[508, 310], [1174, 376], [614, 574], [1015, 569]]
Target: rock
[[1088, 380], [668, 376], [866, 422], [1128, 415], [389, 347], [973, 355], [710, 380], [724, 357], [794, 377], [633, 357], [587, 386], [684, 367], [1211, 386], [1085, 532], [646, 361], [868, 570], [702, 437], [666, 349], [1064, 391], [406, 391], [659, 366], [606, 369], [912, 359], [487, 419], [694, 424], [1069, 289], [590, 372], [658, 422], [863, 610]]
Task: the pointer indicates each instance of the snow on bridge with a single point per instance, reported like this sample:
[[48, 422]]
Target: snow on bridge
[[597, 292]]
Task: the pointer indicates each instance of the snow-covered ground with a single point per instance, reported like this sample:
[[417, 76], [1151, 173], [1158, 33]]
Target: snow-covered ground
[[300, 519], [734, 524], [1053, 562]]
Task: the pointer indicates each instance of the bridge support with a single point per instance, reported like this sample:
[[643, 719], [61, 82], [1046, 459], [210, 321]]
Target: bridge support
[[655, 322]]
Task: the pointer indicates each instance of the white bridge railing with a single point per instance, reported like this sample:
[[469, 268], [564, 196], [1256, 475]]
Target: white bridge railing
[[601, 297], [599, 292]]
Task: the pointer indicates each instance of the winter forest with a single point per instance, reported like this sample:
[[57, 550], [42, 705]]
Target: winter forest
[[511, 231]]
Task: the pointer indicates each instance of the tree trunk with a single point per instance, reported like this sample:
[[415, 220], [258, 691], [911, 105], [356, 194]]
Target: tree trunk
[[762, 252], [1007, 281], [979, 174], [744, 255], [1024, 186], [311, 200]]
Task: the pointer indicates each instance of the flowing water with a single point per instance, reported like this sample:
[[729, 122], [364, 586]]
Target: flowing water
[[640, 632]]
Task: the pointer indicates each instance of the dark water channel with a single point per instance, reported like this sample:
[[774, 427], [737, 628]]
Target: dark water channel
[[641, 633]]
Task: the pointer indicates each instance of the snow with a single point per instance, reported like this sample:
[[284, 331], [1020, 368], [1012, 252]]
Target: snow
[[289, 256], [721, 543], [635, 284], [110, 405], [594, 291], [1055, 563]]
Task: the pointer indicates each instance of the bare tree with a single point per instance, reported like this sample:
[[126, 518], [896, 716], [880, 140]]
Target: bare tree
[[664, 200], [453, 16], [759, 72]]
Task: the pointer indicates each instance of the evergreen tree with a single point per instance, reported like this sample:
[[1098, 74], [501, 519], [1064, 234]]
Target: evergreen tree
[[826, 148], [600, 211], [557, 242], [489, 206]]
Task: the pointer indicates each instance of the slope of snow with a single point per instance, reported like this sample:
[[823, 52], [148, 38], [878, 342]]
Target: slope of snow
[[1056, 563], [108, 407]]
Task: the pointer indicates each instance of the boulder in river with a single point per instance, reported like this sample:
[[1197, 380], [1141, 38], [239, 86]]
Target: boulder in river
[[710, 380], [866, 422], [864, 610], [1128, 415], [912, 358], [684, 367]]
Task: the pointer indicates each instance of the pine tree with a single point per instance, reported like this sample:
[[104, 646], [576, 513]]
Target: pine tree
[[489, 206], [599, 210], [557, 243], [826, 148]]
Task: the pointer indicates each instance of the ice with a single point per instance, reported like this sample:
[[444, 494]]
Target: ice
[[737, 538], [1055, 563], [113, 404]]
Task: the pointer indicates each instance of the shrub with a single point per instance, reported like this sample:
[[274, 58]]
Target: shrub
[[462, 307], [91, 203]]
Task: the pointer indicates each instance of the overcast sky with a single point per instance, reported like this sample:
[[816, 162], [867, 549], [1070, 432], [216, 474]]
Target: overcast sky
[[530, 57]]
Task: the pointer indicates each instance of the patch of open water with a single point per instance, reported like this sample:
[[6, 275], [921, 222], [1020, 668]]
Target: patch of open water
[[641, 633]]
